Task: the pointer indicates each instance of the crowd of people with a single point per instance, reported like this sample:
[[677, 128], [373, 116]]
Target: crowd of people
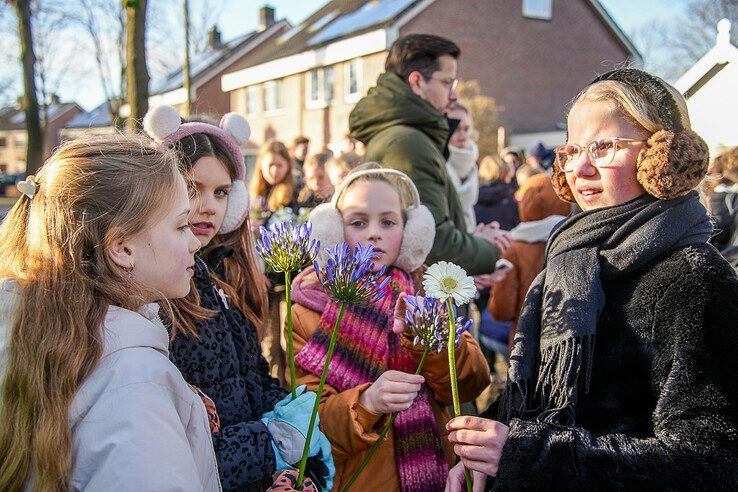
[[141, 337]]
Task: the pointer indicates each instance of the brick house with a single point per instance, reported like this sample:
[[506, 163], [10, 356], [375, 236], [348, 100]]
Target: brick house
[[531, 56], [13, 137], [206, 68]]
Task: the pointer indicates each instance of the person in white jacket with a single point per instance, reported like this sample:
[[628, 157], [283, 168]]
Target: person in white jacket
[[90, 400], [462, 163]]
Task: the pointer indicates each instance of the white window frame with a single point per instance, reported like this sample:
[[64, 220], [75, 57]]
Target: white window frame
[[538, 9], [278, 85], [252, 99], [325, 80], [353, 97]]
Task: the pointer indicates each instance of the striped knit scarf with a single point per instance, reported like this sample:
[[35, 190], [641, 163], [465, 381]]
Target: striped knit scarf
[[365, 348]]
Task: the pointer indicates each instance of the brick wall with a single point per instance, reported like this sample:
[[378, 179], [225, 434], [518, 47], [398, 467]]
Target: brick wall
[[531, 67]]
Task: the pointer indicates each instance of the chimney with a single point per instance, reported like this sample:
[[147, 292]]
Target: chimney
[[54, 100], [214, 41], [266, 17], [19, 102]]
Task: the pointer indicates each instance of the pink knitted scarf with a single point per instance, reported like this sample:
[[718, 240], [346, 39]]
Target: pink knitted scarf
[[365, 348]]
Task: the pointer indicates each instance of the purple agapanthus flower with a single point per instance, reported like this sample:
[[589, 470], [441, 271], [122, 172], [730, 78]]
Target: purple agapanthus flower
[[428, 321], [350, 277], [286, 247]]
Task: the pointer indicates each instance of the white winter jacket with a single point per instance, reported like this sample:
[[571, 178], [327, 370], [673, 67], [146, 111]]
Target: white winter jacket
[[136, 424]]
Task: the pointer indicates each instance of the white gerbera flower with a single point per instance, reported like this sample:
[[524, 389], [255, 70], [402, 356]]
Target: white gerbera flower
[[443, 280]]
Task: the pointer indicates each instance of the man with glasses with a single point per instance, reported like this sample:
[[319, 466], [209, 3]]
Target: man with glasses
[[402, 123]]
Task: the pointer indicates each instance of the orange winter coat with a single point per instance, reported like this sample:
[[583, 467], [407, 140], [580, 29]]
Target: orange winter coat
[[540, 210], [352, 429]]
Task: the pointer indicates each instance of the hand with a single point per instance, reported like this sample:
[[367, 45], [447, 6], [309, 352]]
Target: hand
[[492, 233], [483, 281], [398, 323], [393, 391], [456, 481], [478, 442], [498, 276]]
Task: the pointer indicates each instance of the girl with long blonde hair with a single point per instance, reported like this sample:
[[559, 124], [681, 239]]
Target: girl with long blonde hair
[[89, 398], [272, 179]]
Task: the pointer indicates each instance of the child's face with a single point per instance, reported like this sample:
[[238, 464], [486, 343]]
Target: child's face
[[372, 214], [274, 168], [316, 179], [208, 205], [163, 255]]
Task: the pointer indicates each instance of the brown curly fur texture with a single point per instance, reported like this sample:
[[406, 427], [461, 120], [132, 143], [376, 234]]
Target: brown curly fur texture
[[670, 164], [561, 187]]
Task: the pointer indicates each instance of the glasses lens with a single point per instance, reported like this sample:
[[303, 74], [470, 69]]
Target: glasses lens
[[566, 156], [602, 151]]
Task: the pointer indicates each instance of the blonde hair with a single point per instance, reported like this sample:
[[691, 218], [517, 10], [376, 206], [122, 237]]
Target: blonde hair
[[493, 167], [526, 171], [628, 101], [281, 194], [91, 193], [394, 181]]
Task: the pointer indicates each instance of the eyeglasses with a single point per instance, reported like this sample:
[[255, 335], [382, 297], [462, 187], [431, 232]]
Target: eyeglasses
[[448, 82], [601, 152]]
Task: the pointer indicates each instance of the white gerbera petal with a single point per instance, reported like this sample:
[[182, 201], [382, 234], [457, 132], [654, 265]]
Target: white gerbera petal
[[443, 280]]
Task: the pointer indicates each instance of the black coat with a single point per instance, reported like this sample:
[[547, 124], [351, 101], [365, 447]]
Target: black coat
[[662, 409], [226, 363], [724, 212], [497, 202]]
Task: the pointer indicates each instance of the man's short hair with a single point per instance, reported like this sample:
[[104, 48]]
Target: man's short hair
[[300, 140], [418, 52]]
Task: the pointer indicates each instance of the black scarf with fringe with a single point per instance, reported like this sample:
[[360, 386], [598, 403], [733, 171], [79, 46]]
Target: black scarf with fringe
[[551, 359]]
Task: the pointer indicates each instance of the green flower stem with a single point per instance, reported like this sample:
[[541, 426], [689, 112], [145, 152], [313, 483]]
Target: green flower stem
[[319, 393], [290, 343], [386, 429], [452, 371]]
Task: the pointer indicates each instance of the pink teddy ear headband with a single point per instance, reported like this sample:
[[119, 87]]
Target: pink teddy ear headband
[[164, 125]]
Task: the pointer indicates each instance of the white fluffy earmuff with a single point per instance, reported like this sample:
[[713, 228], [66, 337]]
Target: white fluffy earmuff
[[418, 235]]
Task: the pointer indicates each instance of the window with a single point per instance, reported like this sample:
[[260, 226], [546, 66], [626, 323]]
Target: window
[[319, 87], [20, 140], [252, 99], [353, 79], [273, 95], [538, 9], [3, 141]]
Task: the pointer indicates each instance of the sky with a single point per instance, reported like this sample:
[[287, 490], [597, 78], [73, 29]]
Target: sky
[[236, 17]]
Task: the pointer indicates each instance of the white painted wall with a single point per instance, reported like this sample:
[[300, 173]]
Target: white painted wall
[[713, 110]]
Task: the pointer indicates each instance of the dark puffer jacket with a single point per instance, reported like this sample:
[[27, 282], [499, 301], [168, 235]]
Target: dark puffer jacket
[[662, 411], [225, 362], [497, 202]]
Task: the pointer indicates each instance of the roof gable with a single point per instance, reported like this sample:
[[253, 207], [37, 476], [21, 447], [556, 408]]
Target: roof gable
[[710, 64]]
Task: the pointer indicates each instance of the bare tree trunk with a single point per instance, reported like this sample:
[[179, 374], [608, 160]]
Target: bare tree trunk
[[186, 65], [35, 144], [137, 75]]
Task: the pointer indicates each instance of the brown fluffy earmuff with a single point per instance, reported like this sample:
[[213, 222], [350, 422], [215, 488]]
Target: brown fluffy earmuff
[[560, 186], [671, 164]]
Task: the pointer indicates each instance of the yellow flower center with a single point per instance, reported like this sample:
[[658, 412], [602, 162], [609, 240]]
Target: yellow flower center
[[449, 285]]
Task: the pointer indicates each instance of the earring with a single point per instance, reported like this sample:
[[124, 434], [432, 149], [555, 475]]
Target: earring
[[129, 272]]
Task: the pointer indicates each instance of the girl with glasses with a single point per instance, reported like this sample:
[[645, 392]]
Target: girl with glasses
[[620, 374]]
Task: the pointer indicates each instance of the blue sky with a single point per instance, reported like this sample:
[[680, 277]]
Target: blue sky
[[242, 15]]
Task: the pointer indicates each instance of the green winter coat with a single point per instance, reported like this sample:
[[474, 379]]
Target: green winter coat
[[405, 132]]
